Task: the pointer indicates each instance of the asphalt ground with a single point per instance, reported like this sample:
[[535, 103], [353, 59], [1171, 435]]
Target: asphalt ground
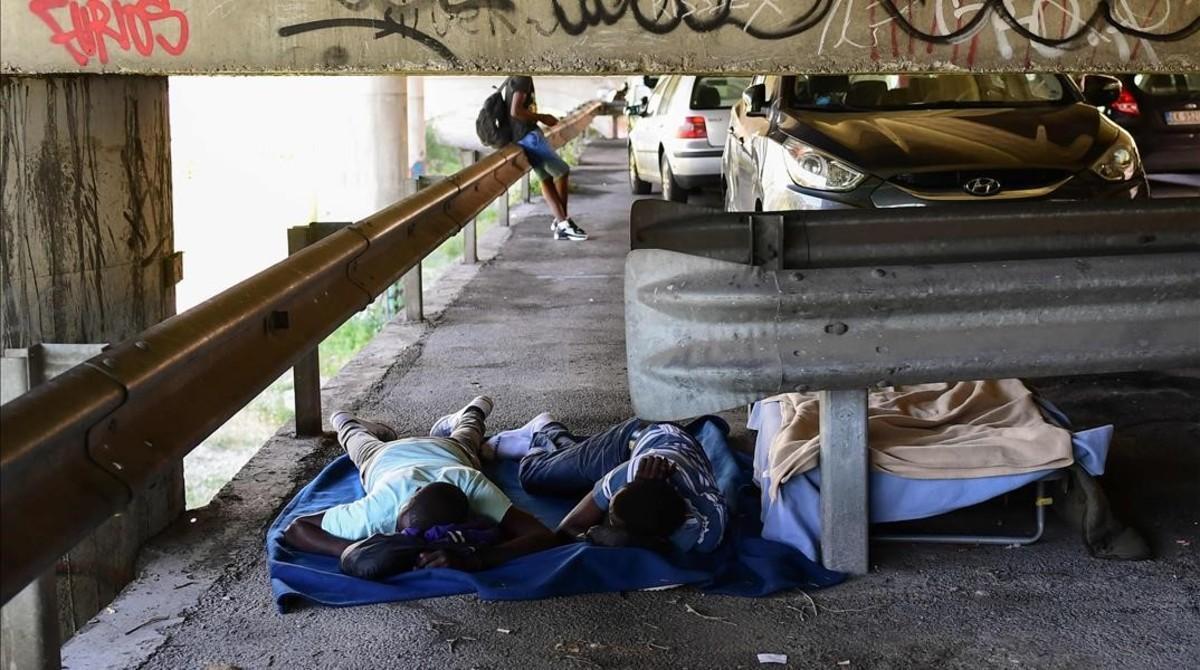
[[540, 328]]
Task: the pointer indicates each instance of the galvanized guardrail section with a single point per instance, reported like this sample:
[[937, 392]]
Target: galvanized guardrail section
[[946, 234], [840, 303], [74, 450]]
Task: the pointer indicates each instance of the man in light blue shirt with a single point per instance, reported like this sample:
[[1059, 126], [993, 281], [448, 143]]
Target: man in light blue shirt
[[421, 482]]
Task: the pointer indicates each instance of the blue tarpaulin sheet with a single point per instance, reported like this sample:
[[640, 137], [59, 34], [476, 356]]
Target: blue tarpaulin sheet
[[745, 564]]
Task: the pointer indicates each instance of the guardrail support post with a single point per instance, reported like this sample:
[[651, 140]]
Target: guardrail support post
[[29, 627], [470, 250], [844, 509], [525, 188], [502, 209], [414, 298], [306, 373]]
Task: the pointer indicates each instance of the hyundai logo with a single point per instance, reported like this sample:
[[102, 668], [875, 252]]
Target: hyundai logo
[[982, 186]]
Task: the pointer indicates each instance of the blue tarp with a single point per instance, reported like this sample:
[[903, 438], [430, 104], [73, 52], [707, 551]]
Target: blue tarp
[[745, 564], [794, 517]]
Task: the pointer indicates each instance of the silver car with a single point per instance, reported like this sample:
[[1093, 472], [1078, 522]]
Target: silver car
[[677, 137]]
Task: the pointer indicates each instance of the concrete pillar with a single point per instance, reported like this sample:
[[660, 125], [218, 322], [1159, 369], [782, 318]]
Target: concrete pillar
[[88, 257], [391, 134], [416, 121]]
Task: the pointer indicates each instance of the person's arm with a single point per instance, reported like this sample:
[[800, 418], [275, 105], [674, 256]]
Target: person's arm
[[523, 534], [575, 525], [306, 534], [518, 110]]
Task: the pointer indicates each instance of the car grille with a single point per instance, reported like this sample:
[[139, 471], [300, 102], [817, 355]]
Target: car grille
[[952, 180]]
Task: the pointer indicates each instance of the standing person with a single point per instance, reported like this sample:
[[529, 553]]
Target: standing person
[[553, 171], [421, 483], [642, 484]]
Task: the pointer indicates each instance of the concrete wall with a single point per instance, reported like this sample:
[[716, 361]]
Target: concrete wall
[[591, 36], [85, 243], [85, 173]]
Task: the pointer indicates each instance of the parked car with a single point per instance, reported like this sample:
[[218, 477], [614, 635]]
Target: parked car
[[872, 140], [1162, 112], [676, 139]]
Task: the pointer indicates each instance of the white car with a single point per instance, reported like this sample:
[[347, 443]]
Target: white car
[[677, 138]]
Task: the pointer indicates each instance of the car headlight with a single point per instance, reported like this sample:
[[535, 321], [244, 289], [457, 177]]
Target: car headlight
[[812, 169], [1119, 163]]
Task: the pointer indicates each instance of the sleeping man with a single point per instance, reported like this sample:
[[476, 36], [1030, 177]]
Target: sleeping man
[[416, 486], [643, 484]]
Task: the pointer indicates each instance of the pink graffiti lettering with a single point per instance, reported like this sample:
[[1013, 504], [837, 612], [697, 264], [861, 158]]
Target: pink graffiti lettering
[[91, 25]]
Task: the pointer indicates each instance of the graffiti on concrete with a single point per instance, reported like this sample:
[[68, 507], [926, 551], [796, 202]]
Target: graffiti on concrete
[[404, 19], [87, 28], [777, 19]]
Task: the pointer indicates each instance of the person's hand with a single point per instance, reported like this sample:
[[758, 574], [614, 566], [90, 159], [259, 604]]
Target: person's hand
[[654, 467], [442, 558], [549, 120]]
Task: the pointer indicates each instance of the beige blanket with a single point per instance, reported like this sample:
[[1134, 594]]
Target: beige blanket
[[931, 431]]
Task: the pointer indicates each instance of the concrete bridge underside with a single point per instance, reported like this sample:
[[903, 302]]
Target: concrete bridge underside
[[540, 327]]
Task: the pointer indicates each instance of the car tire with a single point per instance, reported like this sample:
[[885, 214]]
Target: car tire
[[636, 184], [671, 190]]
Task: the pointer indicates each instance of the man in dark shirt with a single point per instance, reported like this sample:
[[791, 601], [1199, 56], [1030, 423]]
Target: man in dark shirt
[[552, 170]]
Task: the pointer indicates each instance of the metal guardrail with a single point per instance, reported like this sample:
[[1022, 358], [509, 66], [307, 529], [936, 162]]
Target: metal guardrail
[[889, 298], [948, 234], [76, 449], [704, 336]]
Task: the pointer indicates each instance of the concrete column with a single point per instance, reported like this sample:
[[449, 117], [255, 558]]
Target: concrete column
[[416, 121], [88, 257], [391, 134]]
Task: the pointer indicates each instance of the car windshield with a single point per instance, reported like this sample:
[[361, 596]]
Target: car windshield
[[902, 91], [718, 92], [1179, 86]]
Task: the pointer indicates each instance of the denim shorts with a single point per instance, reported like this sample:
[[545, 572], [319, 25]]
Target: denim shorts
[[542, 157]]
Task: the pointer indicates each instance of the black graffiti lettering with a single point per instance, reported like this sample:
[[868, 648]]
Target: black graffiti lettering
[[384, 27], [662, 17], [1102, 14]]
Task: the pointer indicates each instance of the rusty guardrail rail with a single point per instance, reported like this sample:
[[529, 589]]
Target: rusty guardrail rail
[[76, 449]]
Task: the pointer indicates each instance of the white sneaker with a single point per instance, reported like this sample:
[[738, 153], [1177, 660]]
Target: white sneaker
[[567, 230]]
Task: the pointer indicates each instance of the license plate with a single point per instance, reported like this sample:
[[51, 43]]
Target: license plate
[[1190, 117]]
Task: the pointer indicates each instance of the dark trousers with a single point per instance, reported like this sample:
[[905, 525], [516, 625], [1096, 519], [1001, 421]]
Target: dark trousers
[[559, 463]]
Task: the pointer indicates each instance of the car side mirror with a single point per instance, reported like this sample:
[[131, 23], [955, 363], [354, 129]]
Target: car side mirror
[[755, 98], [1101, 90], [644, 107], [650, 81]]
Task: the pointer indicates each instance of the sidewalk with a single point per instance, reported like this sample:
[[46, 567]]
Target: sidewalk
[[540, 328]]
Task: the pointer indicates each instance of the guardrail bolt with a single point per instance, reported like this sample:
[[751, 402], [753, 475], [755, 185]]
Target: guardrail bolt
[[838, 328], [879, 272], [279, 320]]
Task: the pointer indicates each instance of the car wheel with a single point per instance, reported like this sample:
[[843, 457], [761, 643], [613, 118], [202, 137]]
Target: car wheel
[[636, 184], [671, 190]]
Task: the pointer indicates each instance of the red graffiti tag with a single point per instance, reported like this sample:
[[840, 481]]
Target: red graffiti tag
[[93, 24]]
